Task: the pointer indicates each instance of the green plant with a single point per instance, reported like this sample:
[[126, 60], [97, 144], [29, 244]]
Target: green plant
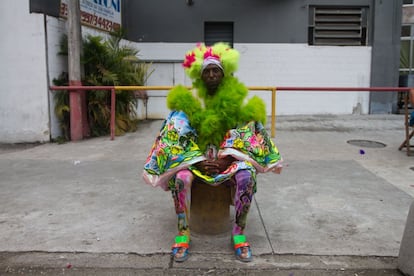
[[107, 62], [62, 109]]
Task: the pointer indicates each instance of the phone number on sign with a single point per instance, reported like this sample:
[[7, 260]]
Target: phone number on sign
[[92, 20], [98, 22]]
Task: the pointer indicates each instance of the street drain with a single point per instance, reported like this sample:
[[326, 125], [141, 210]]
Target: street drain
[[366, 144]]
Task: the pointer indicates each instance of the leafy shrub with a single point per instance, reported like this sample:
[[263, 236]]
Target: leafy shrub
[[106, 63]]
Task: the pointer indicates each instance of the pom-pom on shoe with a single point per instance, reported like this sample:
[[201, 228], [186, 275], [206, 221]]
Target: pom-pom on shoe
[[242, 248], [180, 249]]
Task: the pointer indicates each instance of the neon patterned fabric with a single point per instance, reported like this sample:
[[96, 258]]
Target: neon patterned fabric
[[175, 149], [252, 143]]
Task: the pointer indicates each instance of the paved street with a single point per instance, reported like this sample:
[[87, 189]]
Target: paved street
[[82, 208]]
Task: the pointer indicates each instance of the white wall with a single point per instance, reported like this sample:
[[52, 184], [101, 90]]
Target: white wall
[[313, 66], [24, 115], [279, 65], [166, 70], [27, 106], [26, 103], [57, 64]]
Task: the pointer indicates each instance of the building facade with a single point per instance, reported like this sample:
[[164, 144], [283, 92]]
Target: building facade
[[300, 43]]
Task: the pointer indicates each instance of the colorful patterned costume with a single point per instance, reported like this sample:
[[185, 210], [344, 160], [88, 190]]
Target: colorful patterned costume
[[211, 127], [175, 149]]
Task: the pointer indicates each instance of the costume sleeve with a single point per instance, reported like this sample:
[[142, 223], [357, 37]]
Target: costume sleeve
[[252, 143], [174, 149]]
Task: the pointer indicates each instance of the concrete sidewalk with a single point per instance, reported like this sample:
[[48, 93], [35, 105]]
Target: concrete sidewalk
[[336, 207]]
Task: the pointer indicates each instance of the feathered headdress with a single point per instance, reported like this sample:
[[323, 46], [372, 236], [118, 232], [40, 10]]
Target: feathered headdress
[[227, 56], [213, 116]]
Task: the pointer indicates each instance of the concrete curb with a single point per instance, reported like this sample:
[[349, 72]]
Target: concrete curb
[[406, 256]]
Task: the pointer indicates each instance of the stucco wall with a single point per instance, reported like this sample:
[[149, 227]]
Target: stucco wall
[[27, 109], [24, 115], [276, 65], [57, 64]]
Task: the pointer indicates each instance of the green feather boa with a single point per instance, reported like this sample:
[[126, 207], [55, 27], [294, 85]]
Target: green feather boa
[[213, 117]]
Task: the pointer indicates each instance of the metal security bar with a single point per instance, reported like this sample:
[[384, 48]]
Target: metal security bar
[[272, 89]]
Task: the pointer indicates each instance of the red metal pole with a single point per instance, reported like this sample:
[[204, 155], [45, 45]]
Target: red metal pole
[[342, 89], [112, 123], [85, 122], [75, 103], [411, 96], [79, 87]]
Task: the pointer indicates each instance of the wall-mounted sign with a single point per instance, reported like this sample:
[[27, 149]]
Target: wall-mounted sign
[[101, 14]]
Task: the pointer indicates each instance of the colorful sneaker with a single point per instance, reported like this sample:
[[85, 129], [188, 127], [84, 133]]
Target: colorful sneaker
[[242, 248], [179, 250]]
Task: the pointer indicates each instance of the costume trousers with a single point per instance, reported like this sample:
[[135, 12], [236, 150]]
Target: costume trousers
[[243, 196]]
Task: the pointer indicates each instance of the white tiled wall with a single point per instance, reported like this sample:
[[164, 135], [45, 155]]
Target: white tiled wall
[[280, 65]]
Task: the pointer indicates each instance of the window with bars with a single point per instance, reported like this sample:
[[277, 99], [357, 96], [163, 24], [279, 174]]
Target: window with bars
[[407, 40], [343, 26], [406, 49], [218, 32]]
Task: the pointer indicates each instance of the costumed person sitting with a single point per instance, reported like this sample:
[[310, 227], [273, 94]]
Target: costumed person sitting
[[215, 136]]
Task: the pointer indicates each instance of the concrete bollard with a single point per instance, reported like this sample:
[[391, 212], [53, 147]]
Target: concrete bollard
[[406, 256], [210, 208]]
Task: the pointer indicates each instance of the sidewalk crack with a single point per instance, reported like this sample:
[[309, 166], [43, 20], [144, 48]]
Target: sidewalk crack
[[264, 226]]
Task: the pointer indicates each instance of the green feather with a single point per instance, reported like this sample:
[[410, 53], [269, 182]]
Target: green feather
[[254, 110], [180, 98], [221, 112]]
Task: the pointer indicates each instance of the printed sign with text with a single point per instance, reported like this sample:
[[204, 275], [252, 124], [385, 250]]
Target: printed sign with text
[[101, 14]]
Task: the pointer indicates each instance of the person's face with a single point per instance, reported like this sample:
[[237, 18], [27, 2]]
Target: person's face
[[212, 76]]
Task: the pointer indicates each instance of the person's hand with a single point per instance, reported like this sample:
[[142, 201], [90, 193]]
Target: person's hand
[[277, 170], [208, 167], [225, 162], [211, 167]]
